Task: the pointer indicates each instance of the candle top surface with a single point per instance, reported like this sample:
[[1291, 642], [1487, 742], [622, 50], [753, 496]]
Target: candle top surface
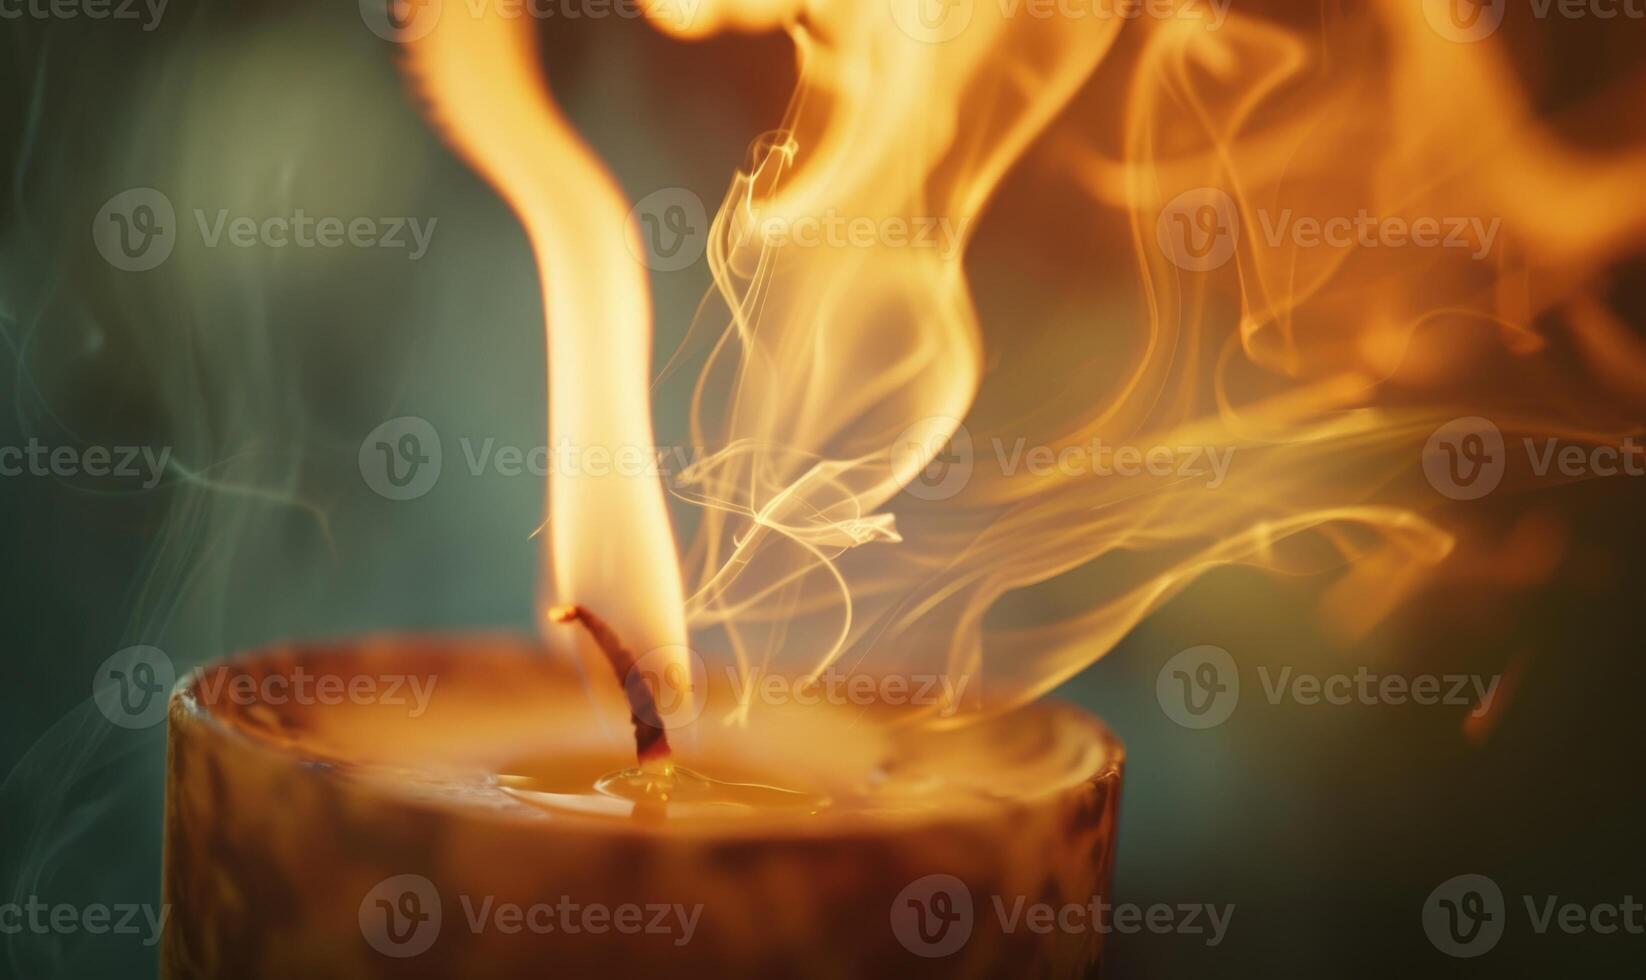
[[496, 723]]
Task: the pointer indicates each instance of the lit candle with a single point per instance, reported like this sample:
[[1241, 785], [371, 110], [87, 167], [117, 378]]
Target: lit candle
[[507, 824], [457, 817]]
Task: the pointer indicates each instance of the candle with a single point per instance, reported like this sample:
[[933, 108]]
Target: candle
[[503, 820], [428, 806]]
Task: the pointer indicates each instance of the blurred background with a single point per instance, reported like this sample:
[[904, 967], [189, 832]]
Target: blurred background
[[258, 371]]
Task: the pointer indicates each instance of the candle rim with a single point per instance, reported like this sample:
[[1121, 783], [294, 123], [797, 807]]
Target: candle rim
[[1103, 764]]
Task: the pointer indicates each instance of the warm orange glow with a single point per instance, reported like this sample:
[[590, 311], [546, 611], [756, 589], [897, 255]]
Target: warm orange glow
[[839, 372], [609, 543], [1206, 165]]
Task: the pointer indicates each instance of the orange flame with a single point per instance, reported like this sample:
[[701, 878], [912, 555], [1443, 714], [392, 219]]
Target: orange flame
[[610, 546], [1183, 153], [838, 374]]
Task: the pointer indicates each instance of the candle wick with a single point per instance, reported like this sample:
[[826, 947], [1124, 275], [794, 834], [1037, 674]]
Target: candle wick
[[651, 743]]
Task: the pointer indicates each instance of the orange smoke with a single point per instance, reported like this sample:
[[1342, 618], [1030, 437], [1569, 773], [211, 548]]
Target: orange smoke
[[1323, 234]]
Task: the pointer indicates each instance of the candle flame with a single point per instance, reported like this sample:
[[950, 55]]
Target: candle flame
[[608, 543], [840, 382]]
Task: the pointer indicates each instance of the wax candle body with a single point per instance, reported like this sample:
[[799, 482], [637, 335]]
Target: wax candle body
[[369, 833]]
